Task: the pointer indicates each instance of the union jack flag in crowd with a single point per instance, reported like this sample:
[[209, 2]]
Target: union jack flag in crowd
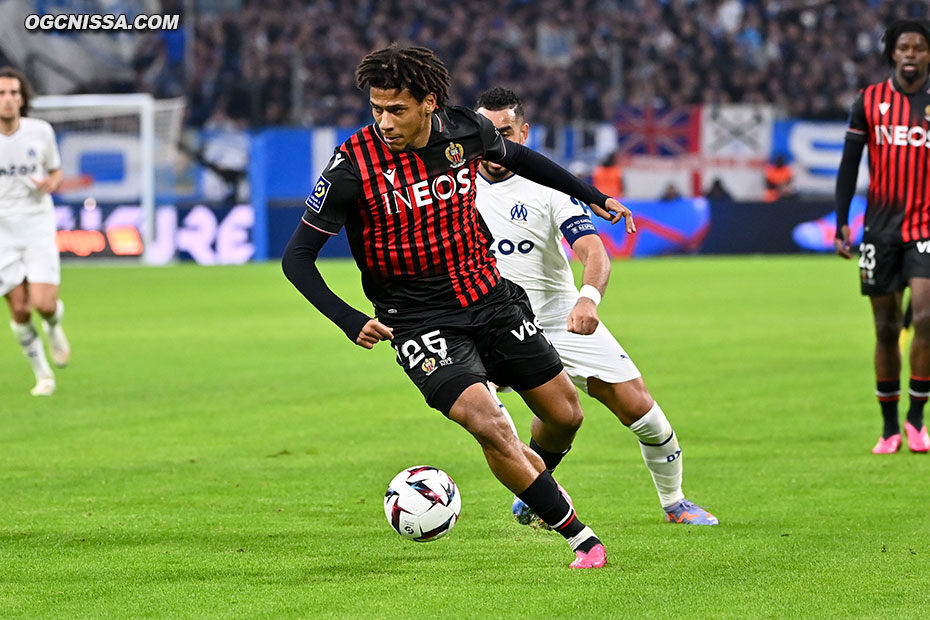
[[651, 131]]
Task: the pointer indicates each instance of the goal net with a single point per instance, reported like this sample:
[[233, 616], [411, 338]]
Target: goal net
[[118, 154]]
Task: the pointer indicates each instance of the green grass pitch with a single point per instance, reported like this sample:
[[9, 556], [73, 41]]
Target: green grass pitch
[[218, 450]]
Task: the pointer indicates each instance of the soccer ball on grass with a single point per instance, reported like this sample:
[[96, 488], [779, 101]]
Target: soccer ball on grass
[[422, 503]]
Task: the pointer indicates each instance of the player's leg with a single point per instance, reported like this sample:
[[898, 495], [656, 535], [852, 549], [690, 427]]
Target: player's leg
[[631, 402], [886, 313], [446, 367], [908, 321], [634, 406], [557, 416], [43, 271], [521, 512], [519, 355], [28, 338], [511, 461], [556, 401], [595, 355], [516, 353], [522, 471], [598, 365], [500, 404], [44, 298], [917, 436]]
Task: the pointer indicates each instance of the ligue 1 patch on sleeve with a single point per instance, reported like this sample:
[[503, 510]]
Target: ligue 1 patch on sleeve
[[318, 196]]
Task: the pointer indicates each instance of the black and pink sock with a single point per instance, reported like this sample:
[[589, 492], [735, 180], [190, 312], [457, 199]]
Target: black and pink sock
[[547, 501], [919, 392], [888, 392]]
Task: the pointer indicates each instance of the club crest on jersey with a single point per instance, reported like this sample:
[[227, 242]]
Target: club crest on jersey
[[318, 196], [927, 113], [455, 154], [429, 365], [31, 153], [519, 212]]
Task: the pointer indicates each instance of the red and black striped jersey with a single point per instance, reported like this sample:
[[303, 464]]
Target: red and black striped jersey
[[895, 125], [410, 216]]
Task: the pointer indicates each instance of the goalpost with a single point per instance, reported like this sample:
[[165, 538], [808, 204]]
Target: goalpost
[[116, 150]]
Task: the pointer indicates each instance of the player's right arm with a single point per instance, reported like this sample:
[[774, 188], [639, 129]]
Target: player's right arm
[[856, 137], [337, 190]]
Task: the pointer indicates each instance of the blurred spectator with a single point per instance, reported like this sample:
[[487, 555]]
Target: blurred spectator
[[608, 177], [581, 170], [778, 179], [718, 191], [225, 156], [670, 193]]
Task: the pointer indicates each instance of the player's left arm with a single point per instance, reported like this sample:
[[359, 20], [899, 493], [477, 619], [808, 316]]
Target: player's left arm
[[540, 169], [575, 226], [49, 183], [51, 159], [590, 250]]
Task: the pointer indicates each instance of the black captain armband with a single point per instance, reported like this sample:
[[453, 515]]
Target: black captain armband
[[576, 227]]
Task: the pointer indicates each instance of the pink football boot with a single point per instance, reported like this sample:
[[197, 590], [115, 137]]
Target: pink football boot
[[888, 446], [917, 440], [595, 558]]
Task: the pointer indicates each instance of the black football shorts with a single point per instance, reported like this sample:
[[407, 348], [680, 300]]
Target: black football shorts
[[495, 339], [886, 267]]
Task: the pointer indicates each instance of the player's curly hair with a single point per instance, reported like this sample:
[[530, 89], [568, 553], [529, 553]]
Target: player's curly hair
[[24, 86], [417, 69], [499, 98], [895, 30]]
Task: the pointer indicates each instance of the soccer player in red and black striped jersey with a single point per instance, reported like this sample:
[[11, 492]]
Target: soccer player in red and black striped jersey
[[892, 118], [404, 190]]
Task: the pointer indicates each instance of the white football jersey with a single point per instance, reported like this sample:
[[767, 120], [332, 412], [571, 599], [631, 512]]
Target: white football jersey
[[31, 152], [525, 220]]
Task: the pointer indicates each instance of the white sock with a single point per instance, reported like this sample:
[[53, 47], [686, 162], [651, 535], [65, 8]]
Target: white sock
[[55, 318], [29, 340], [575, 541], [659, 446]]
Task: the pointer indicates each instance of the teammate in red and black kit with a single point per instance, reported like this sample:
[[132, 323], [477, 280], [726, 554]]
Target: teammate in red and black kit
[[893, 119], [404, 190]]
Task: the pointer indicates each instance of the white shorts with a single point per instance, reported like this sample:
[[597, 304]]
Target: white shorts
[[598, 355], [28, 251]]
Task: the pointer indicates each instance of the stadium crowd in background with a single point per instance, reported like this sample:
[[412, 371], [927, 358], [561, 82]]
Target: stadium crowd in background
[[274, 62]]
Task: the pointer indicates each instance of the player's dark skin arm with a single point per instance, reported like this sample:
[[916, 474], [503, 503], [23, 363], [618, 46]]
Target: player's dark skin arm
[[299, 264], [845, 190], [540, 169]]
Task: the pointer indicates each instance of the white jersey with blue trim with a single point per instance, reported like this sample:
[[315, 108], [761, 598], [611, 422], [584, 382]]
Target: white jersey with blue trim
[[525, 219], [28, 153]]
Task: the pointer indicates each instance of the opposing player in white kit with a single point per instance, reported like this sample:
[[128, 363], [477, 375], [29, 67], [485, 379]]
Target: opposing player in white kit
[[30, 170], [528, 222]]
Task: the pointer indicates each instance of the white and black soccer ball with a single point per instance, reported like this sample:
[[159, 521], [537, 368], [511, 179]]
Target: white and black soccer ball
[[422, 503]]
